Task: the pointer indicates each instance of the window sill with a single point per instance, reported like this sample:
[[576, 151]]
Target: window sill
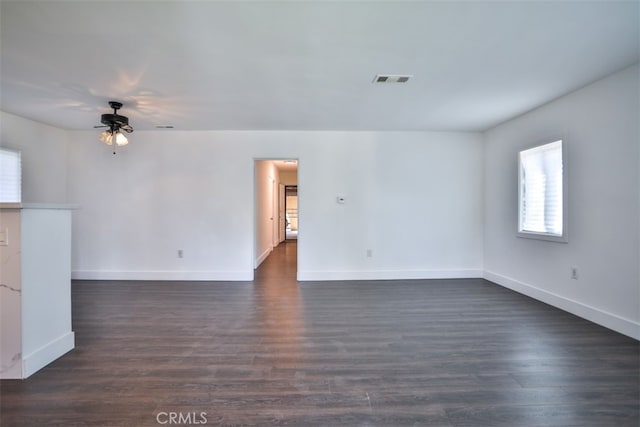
[[543, 236]]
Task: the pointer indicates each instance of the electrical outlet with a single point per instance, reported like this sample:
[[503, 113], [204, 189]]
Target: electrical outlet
[[180, 253], [574, 273]]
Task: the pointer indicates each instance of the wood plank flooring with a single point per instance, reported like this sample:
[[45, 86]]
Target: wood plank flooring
[[275, 352]]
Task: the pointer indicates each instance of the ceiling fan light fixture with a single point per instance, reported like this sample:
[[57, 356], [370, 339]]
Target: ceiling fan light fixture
[[106, 136], [115, 124], [121, 140]]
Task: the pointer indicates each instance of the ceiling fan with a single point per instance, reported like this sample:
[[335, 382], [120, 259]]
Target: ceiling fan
[[115, 124]]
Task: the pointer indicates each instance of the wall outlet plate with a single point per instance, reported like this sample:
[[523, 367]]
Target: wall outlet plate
[[574, 273]]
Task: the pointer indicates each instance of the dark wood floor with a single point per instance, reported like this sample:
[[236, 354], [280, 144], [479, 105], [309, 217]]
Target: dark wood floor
[[275, 352]]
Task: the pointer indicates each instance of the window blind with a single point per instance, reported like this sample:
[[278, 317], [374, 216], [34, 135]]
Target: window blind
[[10, 176], [541, 191]]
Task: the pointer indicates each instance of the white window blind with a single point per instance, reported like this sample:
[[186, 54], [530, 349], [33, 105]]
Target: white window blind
[[10, 176], [542, 190]]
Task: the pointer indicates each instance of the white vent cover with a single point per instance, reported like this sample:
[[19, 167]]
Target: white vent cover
[[392, 78]]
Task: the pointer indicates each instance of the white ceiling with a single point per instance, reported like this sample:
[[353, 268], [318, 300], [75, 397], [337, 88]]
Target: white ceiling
[[305, 65], [286, 165]]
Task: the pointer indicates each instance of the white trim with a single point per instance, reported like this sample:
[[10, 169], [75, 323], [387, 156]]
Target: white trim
[[46, 354], [228, 276], [608, 320], [543, 236], [262, 257], [388, 275]]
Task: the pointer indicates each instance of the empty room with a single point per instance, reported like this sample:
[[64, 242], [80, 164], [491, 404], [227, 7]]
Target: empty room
[[319, 213]]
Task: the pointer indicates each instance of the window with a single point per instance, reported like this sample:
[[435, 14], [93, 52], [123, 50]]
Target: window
[[10, 176], [542, 192]]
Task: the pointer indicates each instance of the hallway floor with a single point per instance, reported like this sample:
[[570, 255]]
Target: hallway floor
[[375, 353]]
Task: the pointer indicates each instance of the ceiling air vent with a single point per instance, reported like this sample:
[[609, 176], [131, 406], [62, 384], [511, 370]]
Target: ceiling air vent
[[391, 78]]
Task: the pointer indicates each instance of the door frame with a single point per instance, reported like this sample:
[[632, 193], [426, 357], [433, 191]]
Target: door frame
[[254, 207]]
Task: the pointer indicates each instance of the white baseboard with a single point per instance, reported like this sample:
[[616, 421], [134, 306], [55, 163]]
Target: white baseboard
[[262, 257], [595, 315], [46, 354], [388, 275], [223, 276]]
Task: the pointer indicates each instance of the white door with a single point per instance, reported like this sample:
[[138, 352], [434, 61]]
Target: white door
[[282, 219]]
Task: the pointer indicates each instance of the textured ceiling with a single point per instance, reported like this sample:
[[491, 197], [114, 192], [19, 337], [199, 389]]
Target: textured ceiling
[[305, 65]]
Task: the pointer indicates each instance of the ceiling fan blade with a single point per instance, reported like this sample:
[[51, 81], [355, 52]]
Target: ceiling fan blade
[[126, 128], [100, 126]]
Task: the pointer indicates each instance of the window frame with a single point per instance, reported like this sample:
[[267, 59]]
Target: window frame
[[537, 235], [18, 155]]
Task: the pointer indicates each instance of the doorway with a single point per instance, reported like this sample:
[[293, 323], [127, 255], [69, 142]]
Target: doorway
[[291, 212], [276, 207]]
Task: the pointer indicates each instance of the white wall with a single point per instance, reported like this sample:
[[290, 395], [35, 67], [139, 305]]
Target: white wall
[[194, 190], [44, 175], [600, 123], [435, 177]]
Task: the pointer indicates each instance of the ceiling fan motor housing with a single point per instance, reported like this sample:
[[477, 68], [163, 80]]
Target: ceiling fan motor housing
[[114, 119]]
